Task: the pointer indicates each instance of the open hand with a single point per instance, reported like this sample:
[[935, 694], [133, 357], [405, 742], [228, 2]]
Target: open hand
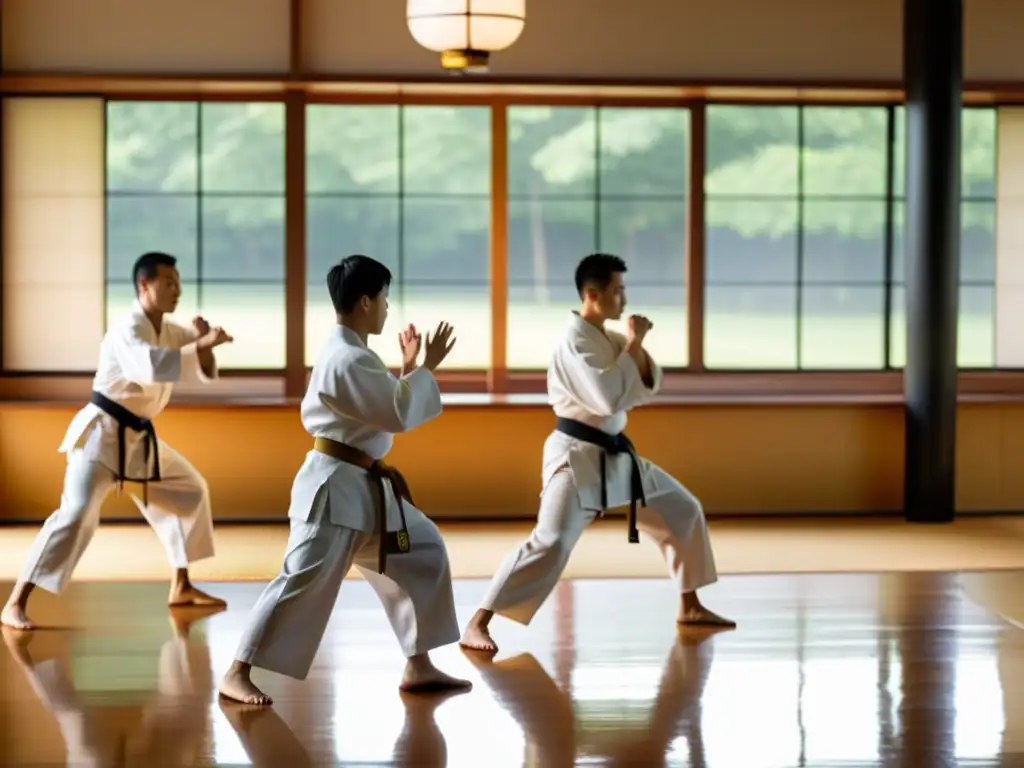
[[409, 341], [438, 346]]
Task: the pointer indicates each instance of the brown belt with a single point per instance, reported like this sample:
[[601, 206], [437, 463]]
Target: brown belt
[[391, 542]]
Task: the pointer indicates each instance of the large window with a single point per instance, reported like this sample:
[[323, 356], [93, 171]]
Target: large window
[[795, 237], [205, 182], [977, 326], [798, 245], [409, 186], [595, 179], [804, 225]]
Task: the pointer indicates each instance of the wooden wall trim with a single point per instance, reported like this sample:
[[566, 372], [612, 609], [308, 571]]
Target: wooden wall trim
[[497, 381], [295, 244], [484, 89]]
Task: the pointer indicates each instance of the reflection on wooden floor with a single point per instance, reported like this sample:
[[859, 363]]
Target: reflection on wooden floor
[[904, 669]]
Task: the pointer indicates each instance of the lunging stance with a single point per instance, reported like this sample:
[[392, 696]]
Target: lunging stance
[[348, 507], [589, 465], [112, 440]]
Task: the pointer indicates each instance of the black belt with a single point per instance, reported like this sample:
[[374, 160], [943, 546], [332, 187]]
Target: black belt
[[127, 420], [613, 444]]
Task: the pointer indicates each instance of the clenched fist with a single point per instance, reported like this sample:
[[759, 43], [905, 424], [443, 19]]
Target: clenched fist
[[639, 327]]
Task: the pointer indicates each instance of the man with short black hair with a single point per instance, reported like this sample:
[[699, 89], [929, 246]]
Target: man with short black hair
[[112, 440], [348, 507], [595, 377]]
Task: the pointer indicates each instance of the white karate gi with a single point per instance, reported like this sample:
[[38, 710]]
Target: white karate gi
[[591, 379], [352, 398], [138, 369]]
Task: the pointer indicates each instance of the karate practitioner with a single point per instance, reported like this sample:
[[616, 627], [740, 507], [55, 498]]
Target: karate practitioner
[[348, 507], [594, 378], [112, 440]]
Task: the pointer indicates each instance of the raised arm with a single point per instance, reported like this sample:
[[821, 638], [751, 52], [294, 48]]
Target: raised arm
[[206, 369], [650, 371], [142, 362], [631, 380], [365, 390]]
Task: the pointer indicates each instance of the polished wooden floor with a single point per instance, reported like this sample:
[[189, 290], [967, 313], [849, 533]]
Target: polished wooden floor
[[913, 669]]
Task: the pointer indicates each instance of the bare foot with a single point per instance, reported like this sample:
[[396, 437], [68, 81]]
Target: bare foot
[[701, 616], [237, 686], [189, 595], [478, 638], [421, 676], [15, 617]]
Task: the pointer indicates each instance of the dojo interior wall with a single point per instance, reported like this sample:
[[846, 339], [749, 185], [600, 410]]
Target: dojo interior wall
[[571, 39], [480, 461]]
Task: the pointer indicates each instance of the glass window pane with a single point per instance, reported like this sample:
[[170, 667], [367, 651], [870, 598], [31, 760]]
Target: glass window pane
[[337, 227], [899, 240], [446, 151], [447, 242], [151, 146], [844, 241], [750, 327], [649, 234], [844, 152], [552, 151], [978, 242], [750, 241], [584, 179], [752, 151], [975, 331], [228, 236], [242, 148], [409, 187], [899, 152], [251, 312], [978, 153], [898, 327], [976, 336], [538, 316], [546, 240], [140, 223], [842, 327], [243, 238], [352, 149], [446, 274], [643, 152]]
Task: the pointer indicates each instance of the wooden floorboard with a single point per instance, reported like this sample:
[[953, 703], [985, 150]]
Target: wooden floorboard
[[913, 669], [476, 550]]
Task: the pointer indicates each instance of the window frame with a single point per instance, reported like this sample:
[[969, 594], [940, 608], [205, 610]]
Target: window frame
[[694, 382]]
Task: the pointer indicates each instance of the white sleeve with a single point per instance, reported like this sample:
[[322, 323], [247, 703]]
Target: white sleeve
[[144, 363], [646, 394], [191, 368], [606, 391], [370, 393]]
